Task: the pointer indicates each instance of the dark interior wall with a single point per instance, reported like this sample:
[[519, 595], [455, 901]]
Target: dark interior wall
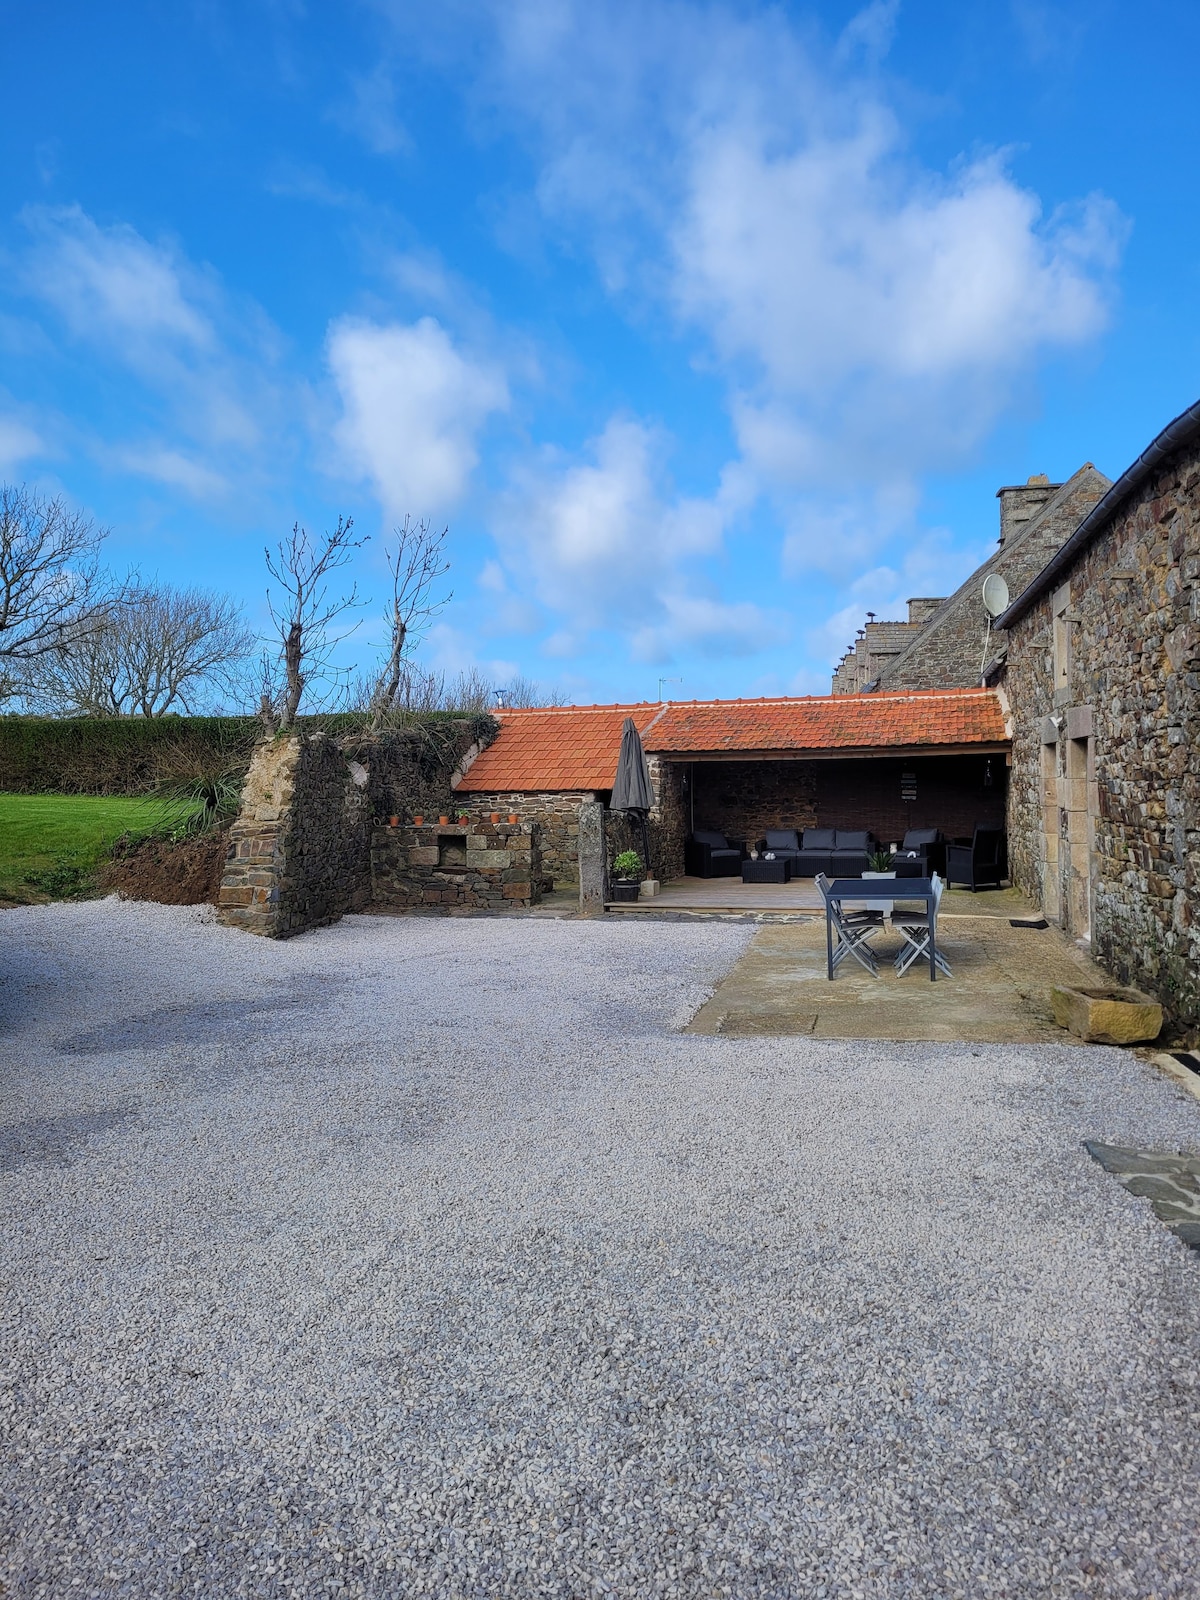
[[744, 798]]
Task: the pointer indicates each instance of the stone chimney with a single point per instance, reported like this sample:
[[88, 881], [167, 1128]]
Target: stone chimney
[[1021, 502], [920, 611]]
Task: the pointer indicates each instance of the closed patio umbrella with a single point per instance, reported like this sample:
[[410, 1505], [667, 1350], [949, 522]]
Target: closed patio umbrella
[[631, 790]]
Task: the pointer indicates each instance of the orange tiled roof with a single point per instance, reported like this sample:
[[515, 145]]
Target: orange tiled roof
[[556, 748], [927, 717]]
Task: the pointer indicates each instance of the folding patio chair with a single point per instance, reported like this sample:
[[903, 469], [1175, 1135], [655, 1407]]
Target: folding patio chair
[[853, 928], [915, 928]]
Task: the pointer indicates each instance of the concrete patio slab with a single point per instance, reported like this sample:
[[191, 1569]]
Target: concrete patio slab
[[999, 992]]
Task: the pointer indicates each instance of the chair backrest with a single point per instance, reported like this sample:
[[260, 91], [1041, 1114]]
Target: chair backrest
[[916, 837], [858, 839], [822, 883], [782, 839], [710, 837], [937, 885], [818, 838], [986, 845]]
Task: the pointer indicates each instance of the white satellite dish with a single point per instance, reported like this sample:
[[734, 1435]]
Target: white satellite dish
[[995, 594]]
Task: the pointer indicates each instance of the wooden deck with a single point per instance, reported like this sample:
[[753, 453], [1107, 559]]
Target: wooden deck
[[800, 898]]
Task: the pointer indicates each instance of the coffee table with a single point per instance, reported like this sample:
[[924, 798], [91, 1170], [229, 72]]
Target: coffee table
[[760, 871]]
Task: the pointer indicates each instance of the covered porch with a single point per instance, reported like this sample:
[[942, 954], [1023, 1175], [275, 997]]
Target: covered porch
[[878, 766]]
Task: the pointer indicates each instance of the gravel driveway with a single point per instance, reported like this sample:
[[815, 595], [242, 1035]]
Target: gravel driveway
[[421, 1257]]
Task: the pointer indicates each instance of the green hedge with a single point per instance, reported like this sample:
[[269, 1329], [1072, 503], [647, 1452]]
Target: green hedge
[[128, 755]]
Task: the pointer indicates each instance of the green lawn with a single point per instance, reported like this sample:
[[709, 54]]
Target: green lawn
[[56, 840]]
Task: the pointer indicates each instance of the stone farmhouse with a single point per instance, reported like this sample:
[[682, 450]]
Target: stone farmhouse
[[1097, 662], [1102, 674]]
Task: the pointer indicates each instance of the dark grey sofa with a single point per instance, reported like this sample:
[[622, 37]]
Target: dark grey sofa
[[709, 854], [783, 844], [838, 852]]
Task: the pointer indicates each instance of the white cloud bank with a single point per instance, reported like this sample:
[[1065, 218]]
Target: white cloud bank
[[413, 408], [872, 317]]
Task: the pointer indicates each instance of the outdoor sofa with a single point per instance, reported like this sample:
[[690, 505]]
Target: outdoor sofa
[[837, 852], [709, 854]]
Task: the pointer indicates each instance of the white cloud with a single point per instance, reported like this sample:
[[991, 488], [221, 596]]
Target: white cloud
[[413, 407], [174, 469], [608, 545], [111, 283], [145, 307], [18, 442]]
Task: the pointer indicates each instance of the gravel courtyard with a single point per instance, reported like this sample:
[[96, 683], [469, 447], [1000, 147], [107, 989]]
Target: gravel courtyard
[[423, 1257]]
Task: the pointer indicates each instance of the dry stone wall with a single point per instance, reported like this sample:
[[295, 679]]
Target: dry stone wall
[[1106, 767], [476, 866], [557, 815], [300, 851]]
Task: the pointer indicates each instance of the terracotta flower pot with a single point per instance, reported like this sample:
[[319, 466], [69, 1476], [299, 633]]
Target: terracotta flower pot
[[393, 822], [514, 817], [495, 816], [417, 821], [443, 821], [464, 819]]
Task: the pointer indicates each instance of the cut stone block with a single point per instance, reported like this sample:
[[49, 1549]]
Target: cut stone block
[[1107, 1016]]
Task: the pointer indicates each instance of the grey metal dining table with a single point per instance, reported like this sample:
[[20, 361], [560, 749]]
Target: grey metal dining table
[[842, 889]]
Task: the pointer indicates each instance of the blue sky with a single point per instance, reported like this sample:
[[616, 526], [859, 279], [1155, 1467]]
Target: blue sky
[[703, 328]]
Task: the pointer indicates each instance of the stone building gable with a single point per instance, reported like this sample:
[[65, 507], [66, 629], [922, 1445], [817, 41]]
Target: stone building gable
[[948, 652]]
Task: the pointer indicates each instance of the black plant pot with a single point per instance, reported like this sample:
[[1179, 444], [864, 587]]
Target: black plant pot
[[625, 891]]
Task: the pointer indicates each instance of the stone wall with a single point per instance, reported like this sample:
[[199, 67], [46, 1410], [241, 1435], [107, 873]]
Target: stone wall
[[1104, 815], [300, 849], [558, 818], [949, 651], [479, 866], [745, 798], [298, 852]]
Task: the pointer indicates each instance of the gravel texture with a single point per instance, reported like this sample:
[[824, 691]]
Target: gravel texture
[[422, 1257]]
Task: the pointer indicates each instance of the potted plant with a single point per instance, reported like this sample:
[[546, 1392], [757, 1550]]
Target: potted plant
[[879, 865], [463, 818], [513, 817], [627, 870], [443, 821], [418, 821], [494, 817], [393, 822]]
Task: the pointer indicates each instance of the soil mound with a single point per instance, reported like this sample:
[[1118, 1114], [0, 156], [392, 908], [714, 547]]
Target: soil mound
[[183, 873]]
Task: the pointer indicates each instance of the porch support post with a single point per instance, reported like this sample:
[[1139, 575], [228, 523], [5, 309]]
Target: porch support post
[[593, 857]]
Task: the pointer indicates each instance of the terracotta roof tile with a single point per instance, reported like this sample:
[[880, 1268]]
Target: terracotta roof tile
[[556, 748], [833, 722]]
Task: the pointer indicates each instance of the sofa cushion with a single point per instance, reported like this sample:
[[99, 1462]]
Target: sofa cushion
[[707, 836], [852, 841], [782, 839], [818, 838]]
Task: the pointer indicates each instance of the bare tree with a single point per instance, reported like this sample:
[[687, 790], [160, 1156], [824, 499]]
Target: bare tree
[[52, 590], [523, 691], [304, 613], [152, 649], [416, 560]]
